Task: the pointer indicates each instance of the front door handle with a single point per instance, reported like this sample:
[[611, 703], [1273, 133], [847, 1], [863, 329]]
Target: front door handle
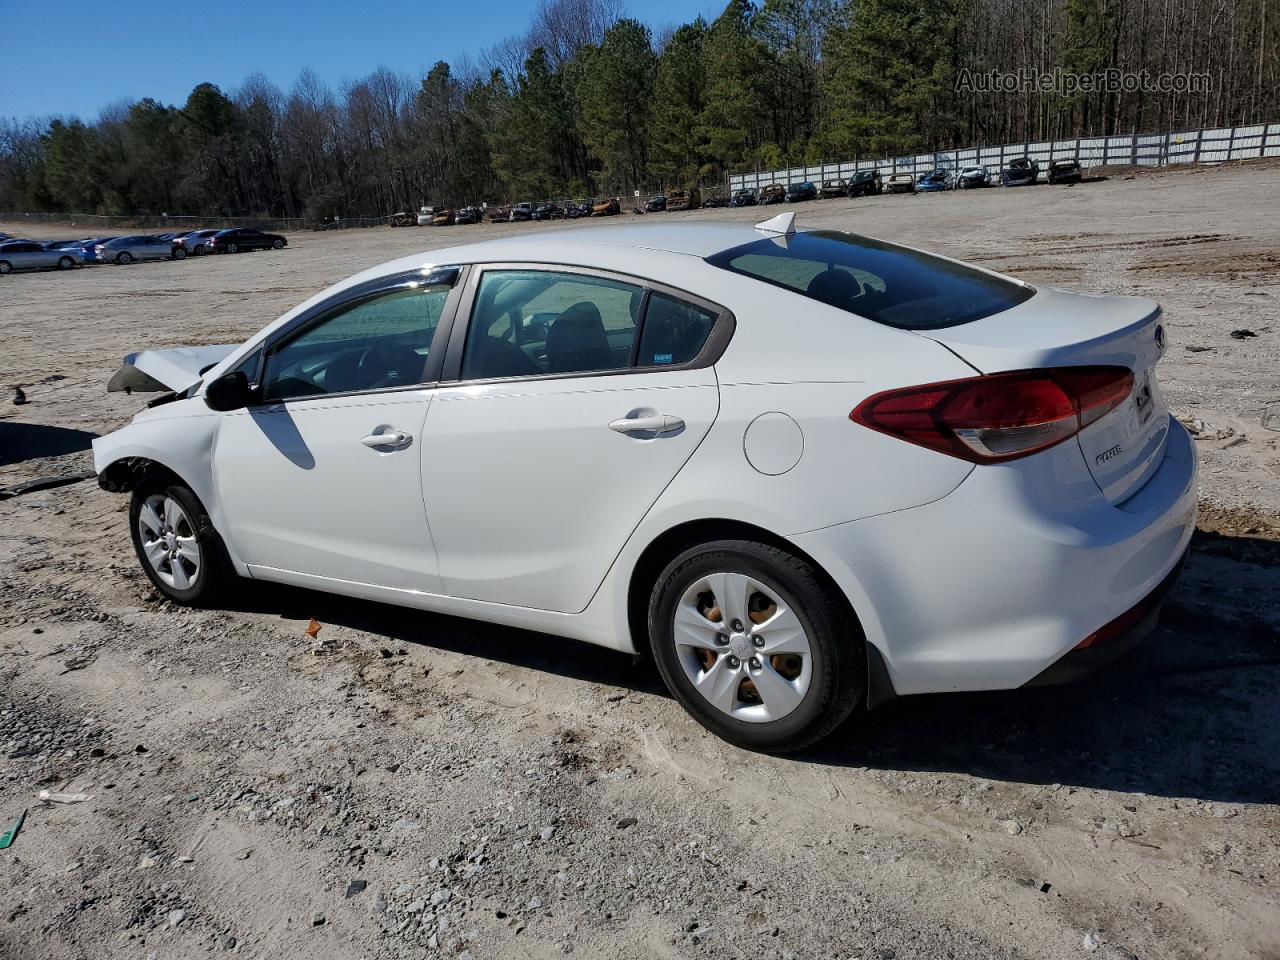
[[395, 439], [653, 423]]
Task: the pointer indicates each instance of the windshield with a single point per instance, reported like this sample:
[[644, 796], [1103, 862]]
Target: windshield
[[893, 285]]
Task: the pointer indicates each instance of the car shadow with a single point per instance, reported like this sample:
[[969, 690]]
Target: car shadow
[[1190, 713], [20, 442]]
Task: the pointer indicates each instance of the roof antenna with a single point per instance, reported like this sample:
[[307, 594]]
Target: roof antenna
[[783, 224]]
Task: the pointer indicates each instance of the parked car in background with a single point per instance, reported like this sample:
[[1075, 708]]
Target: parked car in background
[[403, 219], [863, 515], [443, 217], [89, 249], [467, 215], [606, 207], [196, 242], [865, 183], [1020, 172], [773, 193], [32, 255], [684, 199], [934, 181], [548, 211], [1064, 171], [521, 212], [901, 183], [973, 176], [745, 197], [833, 188], [240, 239], [656, 204], [426, 216], [125, 250], [798, 192], [579, 208], [716, 199], [499, 213]]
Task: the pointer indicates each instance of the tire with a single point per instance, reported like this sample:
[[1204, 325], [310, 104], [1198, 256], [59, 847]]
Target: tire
[[124, 258], [5, 267], [277, 244], [179, 253], [233, 248], [820, 655], [200, 250], [200, 571], [66, 263]]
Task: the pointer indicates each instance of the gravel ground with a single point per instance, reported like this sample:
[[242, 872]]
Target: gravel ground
[[420, 786]]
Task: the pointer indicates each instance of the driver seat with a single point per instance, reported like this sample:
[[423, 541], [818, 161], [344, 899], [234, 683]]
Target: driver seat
[[577, 341]]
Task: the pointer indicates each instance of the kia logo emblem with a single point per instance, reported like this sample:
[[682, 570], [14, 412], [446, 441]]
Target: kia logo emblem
[[1160, 336]]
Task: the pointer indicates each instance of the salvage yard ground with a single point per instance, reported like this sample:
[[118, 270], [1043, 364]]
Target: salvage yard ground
[[428, 786]]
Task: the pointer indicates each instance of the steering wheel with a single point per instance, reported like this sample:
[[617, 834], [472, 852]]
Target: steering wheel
[[389, 365]]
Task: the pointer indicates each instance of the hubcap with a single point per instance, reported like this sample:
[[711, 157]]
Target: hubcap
[[742, 647], [169, 541]]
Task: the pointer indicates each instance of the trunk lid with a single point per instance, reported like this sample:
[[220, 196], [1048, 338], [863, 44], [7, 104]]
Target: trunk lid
[[1059, 328]]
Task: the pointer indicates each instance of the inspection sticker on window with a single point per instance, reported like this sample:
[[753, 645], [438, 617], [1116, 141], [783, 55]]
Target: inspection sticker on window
[[662, 358]]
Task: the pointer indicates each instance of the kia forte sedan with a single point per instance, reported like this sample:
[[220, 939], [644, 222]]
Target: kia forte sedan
[[805, 471]]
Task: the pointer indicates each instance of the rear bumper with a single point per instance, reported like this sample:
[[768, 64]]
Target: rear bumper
[[988, 587], [1105, 647]]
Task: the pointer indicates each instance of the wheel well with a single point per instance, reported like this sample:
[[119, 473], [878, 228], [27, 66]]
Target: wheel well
[[128, 473], [667, 546]]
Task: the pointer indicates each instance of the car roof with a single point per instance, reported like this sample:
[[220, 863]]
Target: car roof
[[691, 239]]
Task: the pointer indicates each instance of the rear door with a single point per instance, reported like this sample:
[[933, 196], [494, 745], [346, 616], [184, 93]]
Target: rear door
[[576, 397]]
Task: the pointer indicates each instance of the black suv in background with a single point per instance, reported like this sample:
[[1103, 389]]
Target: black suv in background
[[801, 191], [865, 183]]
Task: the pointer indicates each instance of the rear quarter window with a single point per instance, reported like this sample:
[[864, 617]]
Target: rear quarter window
[[883, 282]]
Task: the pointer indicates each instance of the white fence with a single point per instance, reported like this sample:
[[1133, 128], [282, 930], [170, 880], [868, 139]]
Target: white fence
[[1141, 149]]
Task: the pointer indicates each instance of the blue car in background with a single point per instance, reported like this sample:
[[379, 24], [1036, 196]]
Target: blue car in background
[[933, 181], [88, 249]]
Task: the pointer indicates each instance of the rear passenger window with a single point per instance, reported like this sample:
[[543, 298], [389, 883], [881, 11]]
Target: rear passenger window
[[674, 331], [531, 322]]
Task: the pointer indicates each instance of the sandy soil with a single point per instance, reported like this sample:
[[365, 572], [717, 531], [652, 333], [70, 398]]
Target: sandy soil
[[432, 787]]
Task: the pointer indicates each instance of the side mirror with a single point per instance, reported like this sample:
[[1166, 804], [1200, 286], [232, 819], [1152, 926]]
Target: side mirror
[[229, 392]]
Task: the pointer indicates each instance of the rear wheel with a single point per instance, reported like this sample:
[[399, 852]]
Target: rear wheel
[[176, 544], [5, 267], [65, 263], [124, 258], [179, 253], [233, 248], [277, 244], [201, 250], [756, 645]]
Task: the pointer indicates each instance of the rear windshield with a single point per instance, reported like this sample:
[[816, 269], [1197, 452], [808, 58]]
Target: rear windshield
[[883, 282]]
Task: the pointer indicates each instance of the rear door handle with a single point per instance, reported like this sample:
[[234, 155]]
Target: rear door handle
[[654, 423], [391, 438]]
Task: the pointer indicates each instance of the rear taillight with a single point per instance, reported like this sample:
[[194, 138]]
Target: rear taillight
[[998, 417]]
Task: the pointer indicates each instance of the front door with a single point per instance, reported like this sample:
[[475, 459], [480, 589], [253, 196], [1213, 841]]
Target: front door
[[578, 399], [322, 476]]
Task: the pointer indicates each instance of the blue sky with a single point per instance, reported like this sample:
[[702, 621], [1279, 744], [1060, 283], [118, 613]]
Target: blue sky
[[92, 54]]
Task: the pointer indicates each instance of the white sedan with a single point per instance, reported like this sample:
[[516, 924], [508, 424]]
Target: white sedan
[[804, 471]]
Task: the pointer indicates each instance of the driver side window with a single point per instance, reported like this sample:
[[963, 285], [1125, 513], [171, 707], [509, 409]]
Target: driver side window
[[373, 344]]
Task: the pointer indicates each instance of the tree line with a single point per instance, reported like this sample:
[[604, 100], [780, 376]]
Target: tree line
[[589, 101]]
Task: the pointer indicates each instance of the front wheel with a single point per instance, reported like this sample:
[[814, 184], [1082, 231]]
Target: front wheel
[[200, 250], [756, 645], [125, 258], [179, 253], [232, 248], [176, 544], [5, 267], [65, 263], [277, 244]]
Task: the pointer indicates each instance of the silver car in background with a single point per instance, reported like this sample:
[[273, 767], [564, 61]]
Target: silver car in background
[[125, 250], [30, 255]]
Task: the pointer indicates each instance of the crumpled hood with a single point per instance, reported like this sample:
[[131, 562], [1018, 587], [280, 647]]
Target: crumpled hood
[[174, 369]]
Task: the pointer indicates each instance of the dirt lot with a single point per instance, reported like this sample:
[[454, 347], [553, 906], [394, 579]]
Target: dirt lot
[[434, 787]]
